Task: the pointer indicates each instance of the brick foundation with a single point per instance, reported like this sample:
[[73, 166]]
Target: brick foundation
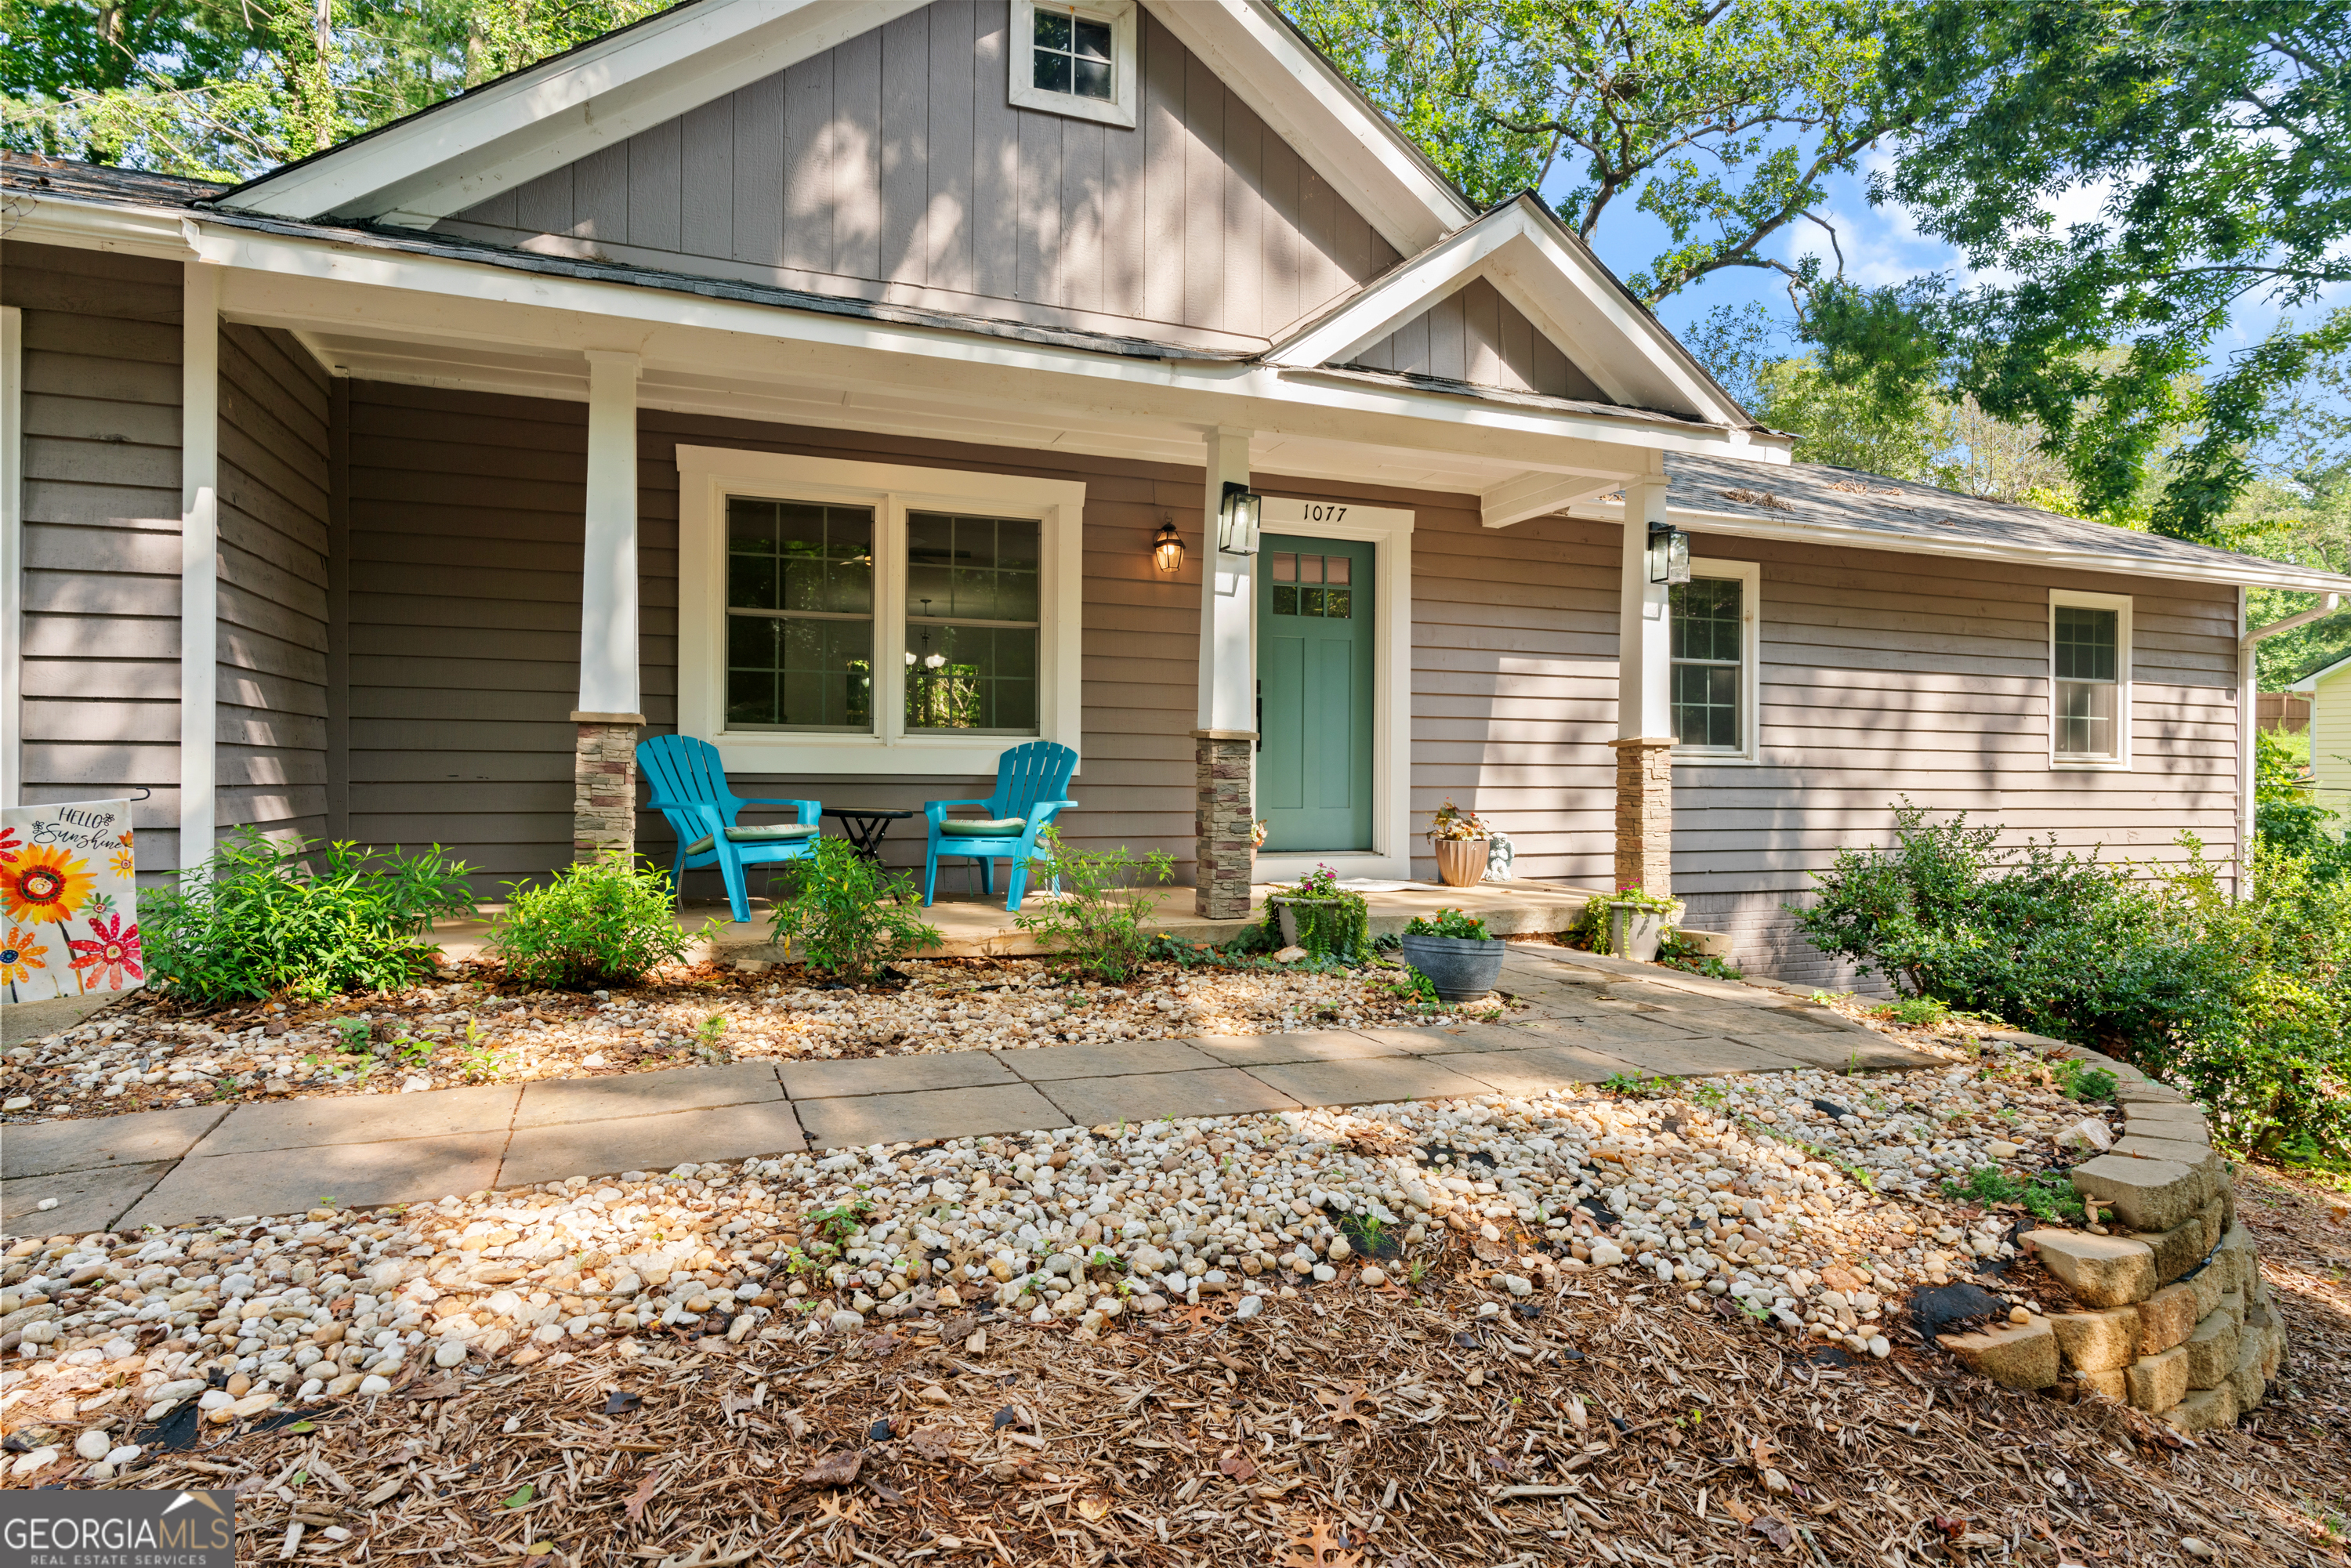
[[1223, 821], [604, 785], [1645, 814]]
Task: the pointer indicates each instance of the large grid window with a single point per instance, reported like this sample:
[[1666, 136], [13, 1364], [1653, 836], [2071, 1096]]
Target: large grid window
[[799, 616], [1709, 653], [2087, 662], [971, 623], [1072, 53]]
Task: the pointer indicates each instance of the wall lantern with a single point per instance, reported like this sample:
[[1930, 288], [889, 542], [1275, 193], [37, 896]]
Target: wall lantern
[[1167, 548], [1237, 519], [1668, 554]]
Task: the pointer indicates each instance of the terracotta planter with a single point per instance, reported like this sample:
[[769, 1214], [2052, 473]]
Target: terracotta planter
[[1460, 862]]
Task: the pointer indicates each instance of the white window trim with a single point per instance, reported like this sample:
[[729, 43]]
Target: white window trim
[[708, 476], [2121, 603], [1751, 677], [1119, 108], [1389, 532]]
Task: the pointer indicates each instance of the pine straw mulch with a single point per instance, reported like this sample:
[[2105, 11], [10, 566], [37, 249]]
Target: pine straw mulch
[[1350, 1428]]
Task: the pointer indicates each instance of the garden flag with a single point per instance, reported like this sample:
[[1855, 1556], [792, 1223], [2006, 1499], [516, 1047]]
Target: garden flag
[[68, 908]]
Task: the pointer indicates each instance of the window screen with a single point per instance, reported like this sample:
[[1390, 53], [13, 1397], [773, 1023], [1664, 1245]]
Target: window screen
[[1710, 625], [799, 616], [2088, 667], [1072, 55]]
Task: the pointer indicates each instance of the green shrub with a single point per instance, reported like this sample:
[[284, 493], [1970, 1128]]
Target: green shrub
[[1676, 951], [2242, 1000], [1096, 918], [849, 915], [604, 921], [272, 916], [1450, 923]]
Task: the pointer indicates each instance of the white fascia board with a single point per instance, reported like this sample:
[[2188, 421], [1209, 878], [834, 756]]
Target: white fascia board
[[1538, 495], [505, 134], [2309, 682], [2056, 557], [1559, 288], [1309, 105]]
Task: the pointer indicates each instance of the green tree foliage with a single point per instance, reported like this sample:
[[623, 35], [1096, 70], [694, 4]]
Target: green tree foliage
[[2217, 140], [1723, 120], [226, 89]]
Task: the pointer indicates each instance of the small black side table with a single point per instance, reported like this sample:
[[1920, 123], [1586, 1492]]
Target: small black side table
[[865, 829]]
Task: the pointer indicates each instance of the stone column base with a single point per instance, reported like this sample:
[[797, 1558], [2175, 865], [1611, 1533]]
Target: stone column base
[[604, 785], [1224, 822], [1645, 814]]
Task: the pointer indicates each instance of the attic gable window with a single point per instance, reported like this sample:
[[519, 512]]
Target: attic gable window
[[1074, 57]]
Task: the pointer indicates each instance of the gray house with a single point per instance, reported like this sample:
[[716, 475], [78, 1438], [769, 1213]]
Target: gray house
[[860, 387]]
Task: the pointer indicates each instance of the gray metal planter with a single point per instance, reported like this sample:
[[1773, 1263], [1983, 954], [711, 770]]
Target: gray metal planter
[[1461, 968]]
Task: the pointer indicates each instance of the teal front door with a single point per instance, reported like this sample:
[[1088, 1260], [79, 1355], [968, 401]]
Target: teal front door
[[1314, 694]]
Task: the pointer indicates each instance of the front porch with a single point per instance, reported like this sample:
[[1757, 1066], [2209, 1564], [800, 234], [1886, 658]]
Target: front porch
[[974, 927]]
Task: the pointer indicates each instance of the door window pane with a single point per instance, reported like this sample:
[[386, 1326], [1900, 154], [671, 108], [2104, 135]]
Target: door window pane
[[2087, 660], [800, 615], [1708, 646]]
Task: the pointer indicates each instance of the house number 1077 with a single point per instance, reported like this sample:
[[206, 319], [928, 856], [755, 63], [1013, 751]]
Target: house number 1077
[[1320, 512]]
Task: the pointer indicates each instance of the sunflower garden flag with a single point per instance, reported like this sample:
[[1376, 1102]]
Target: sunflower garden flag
[[68, 908]]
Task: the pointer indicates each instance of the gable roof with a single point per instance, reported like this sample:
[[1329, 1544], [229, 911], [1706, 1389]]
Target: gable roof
[[2309, 682], [504, 133], [1547, 272]]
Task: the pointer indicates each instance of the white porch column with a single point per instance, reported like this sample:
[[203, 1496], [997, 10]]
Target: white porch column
[[1645, 722], [199, 561], [1225, 743], [604, 760]]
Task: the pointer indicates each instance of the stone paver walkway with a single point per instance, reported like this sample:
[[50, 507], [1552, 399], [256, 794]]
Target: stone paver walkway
[[1587, 1019]]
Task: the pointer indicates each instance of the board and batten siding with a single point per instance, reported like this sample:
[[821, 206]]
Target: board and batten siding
[[100, 641], [1477, 336], [893, 167], [464, 628], [1888, 676], [272, 759]]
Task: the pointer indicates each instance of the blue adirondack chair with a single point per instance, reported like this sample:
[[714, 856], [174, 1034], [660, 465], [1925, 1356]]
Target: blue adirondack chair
[[1030, 781], [690, 788]]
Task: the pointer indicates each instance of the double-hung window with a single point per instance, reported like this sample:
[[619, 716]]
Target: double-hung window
[[2089, 679], [920, 619], [1712, 681], [1075, 57]]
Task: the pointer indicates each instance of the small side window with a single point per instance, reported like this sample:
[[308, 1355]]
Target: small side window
[[1713, 683], [2089, 679], [1075, 57]]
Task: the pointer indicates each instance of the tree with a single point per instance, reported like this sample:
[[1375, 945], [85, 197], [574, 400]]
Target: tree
[[2216, 141], [226, 89], [1722, 119]]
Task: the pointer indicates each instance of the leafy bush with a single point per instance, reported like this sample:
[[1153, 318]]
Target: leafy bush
[[269, 917], [1676, 951], [603, 922], [1332, 922], [1450, 923], [2243, 1001], [1097, 917], [2285, 817], [848, 913]]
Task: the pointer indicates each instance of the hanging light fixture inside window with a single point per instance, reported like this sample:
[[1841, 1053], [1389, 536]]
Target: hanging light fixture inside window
[[1668, 554], [1237, 519], [1167, 548]]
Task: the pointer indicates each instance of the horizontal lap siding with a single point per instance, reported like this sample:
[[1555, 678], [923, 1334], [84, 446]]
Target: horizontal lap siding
[[1887, 676], [893, 167], [101, 532], [272, 764], [2330, 742]]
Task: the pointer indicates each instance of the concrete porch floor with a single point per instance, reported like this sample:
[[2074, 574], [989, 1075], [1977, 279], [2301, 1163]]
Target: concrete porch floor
[[975, 926]]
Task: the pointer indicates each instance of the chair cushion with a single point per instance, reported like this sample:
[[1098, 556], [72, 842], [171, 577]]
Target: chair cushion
[[760, 833], [993, 828]]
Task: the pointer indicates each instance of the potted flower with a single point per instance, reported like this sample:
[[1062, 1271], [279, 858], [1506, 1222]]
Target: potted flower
[[1459, 839], [1637, 923], [1461, 958], [1327, 920]]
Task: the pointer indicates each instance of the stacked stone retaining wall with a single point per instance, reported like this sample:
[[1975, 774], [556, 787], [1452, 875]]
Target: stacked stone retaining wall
[[2172, 1314]]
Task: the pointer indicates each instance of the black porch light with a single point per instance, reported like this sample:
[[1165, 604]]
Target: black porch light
[[1237, 519], [1668, 554], [1167, 548]]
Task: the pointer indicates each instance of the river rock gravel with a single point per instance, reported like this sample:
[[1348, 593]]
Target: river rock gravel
[[1808, 1201]]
